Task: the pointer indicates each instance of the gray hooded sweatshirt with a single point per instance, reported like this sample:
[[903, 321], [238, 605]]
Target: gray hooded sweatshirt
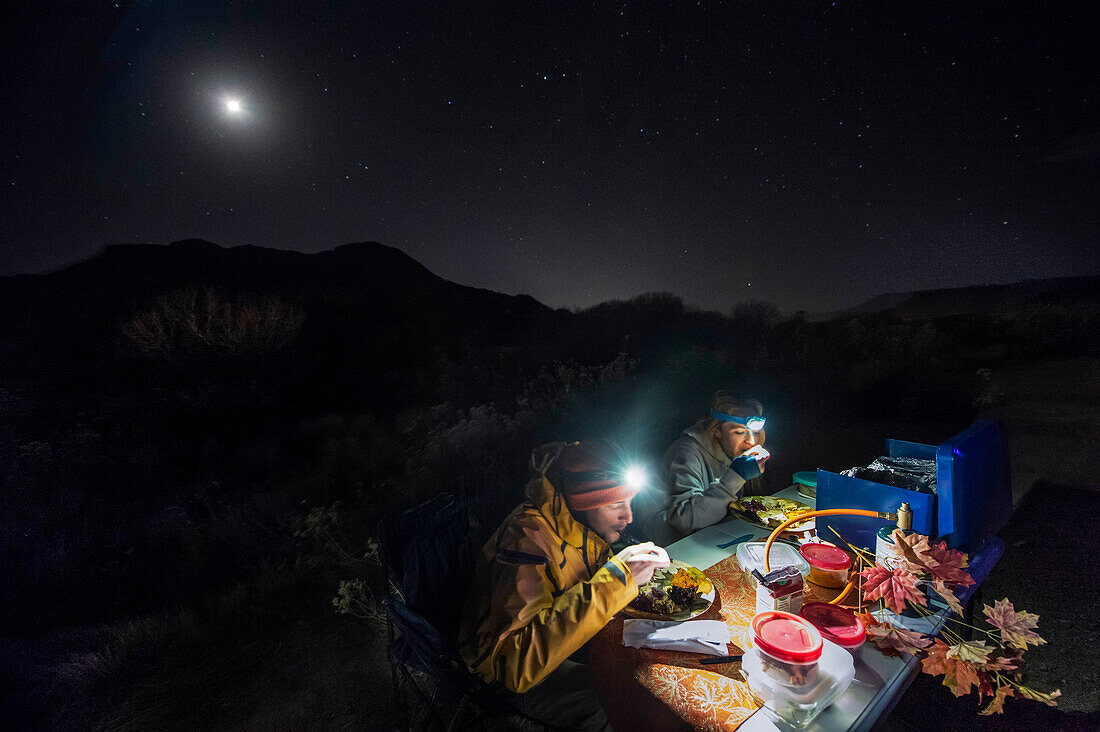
[[695, 489]]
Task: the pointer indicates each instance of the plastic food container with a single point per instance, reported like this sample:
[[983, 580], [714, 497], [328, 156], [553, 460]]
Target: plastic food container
[[806, 480], [828, 564], [837, 624], [788, 647], [800, 705], [750, 556]]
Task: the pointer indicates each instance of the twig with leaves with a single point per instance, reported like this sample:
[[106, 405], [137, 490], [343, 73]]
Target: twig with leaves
[[992, 665]]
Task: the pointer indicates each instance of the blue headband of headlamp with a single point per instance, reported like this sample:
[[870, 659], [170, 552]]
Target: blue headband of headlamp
[[754, 423]]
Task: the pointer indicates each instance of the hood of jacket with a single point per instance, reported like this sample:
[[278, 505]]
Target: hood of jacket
[[550, 503], [698, 432]]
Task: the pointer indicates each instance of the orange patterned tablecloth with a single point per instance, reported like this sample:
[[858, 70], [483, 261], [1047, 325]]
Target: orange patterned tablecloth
[[646, 689]]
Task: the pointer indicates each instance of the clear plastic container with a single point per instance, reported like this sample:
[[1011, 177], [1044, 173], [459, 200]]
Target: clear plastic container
[[828, 564], [750, 556], [788, 647], [800, 705], [837, 624]]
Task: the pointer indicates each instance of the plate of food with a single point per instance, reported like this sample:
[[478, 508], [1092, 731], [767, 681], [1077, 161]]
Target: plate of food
[[768, 512], [677, 592]]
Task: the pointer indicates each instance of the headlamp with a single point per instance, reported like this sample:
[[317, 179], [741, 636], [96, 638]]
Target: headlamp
[[754, 423], [633, 476]]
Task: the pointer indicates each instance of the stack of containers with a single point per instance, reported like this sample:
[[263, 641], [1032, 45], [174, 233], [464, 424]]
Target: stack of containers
[[796, 673]]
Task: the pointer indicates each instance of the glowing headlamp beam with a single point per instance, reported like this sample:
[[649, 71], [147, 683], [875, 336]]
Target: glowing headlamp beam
[[635, 477]]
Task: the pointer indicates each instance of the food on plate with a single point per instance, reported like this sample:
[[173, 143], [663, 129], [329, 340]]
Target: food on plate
[[771, 511], [672, 590]]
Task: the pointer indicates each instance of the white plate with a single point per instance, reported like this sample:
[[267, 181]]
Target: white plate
[[700, 606]]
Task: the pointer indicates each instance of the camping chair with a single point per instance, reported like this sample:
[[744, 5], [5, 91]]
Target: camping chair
[[430, 552]]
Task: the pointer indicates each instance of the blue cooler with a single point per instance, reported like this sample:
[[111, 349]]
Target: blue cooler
[[973, 492]]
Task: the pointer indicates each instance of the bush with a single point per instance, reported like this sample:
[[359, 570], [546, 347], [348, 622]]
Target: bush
[[187, 323]]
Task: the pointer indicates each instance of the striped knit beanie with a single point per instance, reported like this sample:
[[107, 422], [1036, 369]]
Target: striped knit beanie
[[590, 474]]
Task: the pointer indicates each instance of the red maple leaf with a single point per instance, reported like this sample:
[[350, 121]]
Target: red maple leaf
[[893, 587], [1015, 626], [948, 564], [985, 684]]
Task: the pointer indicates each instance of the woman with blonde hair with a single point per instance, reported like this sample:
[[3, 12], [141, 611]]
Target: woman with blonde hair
[[704, 470]]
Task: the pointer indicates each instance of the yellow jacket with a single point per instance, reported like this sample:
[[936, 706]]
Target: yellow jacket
[[544, 585]]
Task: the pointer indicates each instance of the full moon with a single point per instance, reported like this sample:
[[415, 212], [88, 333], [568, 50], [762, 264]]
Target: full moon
[[233, 106]]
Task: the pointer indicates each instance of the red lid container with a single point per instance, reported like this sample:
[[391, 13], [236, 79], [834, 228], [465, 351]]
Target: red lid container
[[786, 637], [838, 624], [825, 556]]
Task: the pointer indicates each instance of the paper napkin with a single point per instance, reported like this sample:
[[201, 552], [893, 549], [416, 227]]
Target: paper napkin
[[694, 636]]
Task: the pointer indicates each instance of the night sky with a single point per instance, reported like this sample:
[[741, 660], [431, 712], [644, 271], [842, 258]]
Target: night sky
[[809, 154]]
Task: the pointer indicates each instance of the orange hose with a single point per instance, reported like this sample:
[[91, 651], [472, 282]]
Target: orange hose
[[812, 514]]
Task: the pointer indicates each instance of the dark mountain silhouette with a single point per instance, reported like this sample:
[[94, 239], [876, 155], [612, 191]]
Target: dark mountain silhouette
[[362, 293], [980, 299]]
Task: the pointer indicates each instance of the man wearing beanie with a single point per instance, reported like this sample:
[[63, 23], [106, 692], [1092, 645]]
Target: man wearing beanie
[[546, 583]]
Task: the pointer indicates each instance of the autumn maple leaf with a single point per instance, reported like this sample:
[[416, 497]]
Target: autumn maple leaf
[[959, 674], [913, 551], [887, 637], [997, 705], [985, 684], [948, 564], [1001, 663], [936, 662], [1016, 627], [893, 587], [975, 652], [948, 596]]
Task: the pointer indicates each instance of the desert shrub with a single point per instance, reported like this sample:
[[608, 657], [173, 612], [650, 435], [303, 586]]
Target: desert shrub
[[1046, 329], [555, 385], [190, 323]]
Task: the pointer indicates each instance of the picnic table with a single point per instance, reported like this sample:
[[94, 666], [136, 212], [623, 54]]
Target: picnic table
[[645, 689]]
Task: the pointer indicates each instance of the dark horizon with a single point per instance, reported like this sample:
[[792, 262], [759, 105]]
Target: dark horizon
[[885, 299]]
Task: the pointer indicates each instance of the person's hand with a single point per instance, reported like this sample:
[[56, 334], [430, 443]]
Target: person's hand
[[643, 560], [748, 467], [750, 464]]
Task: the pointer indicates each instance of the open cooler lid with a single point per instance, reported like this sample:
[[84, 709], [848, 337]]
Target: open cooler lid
[[973, 494], [973, 483]]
